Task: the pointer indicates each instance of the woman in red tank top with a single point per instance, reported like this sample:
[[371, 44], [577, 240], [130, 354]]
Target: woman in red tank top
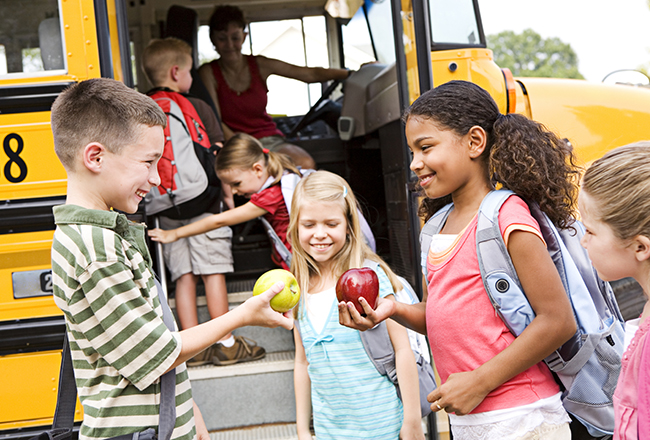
[[237, 84]]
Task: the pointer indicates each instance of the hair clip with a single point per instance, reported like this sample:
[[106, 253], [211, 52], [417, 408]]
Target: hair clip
[[345, 191], [265, 150]]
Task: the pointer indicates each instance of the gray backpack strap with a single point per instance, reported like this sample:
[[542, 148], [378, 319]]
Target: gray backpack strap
[[377, 343], [431, 228], [167, 417]]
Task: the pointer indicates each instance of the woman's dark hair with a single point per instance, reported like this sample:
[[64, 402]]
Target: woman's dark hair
[[522, 154], [224, 15]]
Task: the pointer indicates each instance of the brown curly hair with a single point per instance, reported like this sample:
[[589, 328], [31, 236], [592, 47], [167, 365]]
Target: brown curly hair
[[522, 154]]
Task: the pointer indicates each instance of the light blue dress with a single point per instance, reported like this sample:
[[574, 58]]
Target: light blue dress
[[350, 399]]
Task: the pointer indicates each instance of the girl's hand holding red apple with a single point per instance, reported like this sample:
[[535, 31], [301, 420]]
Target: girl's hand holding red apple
[[350, 317]]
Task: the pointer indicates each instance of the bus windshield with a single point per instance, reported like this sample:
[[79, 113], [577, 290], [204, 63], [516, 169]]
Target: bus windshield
[[454, 22]]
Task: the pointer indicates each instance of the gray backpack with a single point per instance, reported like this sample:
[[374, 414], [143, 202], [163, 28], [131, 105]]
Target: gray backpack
[[380, 350], [587, 365]]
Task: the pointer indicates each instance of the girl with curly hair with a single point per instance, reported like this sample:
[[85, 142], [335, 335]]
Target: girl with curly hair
[[494, 385]]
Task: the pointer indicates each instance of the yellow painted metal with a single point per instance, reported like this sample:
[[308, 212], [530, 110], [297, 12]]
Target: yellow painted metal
[[474, 65], [30, 386], [118, 73], [594, 117]]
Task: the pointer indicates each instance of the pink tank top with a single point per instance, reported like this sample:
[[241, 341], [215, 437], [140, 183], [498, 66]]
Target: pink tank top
[[246, 111]]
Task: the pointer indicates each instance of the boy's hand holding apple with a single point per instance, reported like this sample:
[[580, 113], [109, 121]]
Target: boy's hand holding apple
[[257, 310]]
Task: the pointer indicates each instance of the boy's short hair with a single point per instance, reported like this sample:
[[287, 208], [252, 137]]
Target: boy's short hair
[[161, 54], [100, 110]]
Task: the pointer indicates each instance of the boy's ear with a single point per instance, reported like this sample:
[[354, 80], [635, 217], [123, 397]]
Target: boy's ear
[[477, 138], [174, 72], [93, 156], [641, 248]]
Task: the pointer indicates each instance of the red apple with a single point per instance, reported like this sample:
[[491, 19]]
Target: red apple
[[358, 282]]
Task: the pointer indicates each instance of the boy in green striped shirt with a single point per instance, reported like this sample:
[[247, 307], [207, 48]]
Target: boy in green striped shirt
[[109, 139]]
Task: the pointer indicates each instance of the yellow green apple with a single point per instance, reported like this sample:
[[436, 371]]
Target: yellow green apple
[[288, 297]]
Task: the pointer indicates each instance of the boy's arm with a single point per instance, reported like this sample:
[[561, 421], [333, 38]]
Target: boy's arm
[[409, 384], [302, 387], [241, 214], [254, 311]]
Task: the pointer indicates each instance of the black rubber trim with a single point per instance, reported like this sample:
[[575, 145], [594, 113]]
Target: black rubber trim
[[28, 99], [30, 335], [28, 215]]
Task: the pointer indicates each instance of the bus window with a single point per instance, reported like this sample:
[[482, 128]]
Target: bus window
[[457, 25], [30, 34], [357, 42], [300, 42], [364, 36]]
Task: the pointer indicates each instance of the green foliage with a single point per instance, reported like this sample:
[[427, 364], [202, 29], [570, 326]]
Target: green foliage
[[528, 54]]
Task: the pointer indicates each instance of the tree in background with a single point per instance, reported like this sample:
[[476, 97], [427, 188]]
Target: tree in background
[[528, 54]]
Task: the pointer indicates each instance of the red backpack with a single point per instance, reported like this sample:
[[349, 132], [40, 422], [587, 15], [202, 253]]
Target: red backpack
[[189, 184]]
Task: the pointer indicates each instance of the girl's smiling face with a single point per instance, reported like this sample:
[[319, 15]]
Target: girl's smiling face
[[322, 230], [244, 182], [440, 159]]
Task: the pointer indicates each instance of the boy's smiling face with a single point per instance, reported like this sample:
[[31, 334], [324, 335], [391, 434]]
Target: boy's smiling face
[[130, 175]]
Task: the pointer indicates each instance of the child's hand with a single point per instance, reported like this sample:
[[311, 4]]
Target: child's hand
[[460, 394], [257, 310], [163, 236], [350, 317]]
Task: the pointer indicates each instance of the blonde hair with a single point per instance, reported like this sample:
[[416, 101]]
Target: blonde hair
[[160, 55], [100, 110], [323, 186], [619, 183], [243, 151]]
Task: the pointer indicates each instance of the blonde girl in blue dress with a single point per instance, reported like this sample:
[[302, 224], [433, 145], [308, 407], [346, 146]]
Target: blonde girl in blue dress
[[333, 375]]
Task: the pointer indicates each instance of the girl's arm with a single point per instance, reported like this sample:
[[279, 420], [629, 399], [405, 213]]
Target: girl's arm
[[271, 66], [409, 315], [201, 430], [409, 385], [552, 326], [235, 216], [302, 387]]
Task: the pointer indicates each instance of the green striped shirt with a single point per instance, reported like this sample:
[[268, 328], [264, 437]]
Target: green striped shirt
[[104, 284]]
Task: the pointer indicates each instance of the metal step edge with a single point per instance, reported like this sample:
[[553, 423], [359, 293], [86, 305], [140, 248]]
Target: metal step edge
[[280, 431], [271, 363]]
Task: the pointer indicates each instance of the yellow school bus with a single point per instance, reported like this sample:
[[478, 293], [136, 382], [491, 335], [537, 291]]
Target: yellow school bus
[[46, 45]]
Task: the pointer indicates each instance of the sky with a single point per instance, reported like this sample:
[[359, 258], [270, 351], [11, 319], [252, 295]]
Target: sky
[[607, 35]]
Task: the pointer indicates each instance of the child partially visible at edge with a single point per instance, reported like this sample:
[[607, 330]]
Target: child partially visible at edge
[[167, 63], [494, 385], [109, 139], [251, 171], [333, 373], [614, 205]]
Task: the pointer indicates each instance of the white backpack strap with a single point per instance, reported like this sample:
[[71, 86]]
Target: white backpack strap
[[279, 246], [431, 228]]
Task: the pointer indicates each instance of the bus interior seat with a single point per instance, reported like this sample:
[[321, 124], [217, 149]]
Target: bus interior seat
[[49, 37], [183, 23]]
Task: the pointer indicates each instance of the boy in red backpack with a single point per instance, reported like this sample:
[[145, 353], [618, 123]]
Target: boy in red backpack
[[167, 63]]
